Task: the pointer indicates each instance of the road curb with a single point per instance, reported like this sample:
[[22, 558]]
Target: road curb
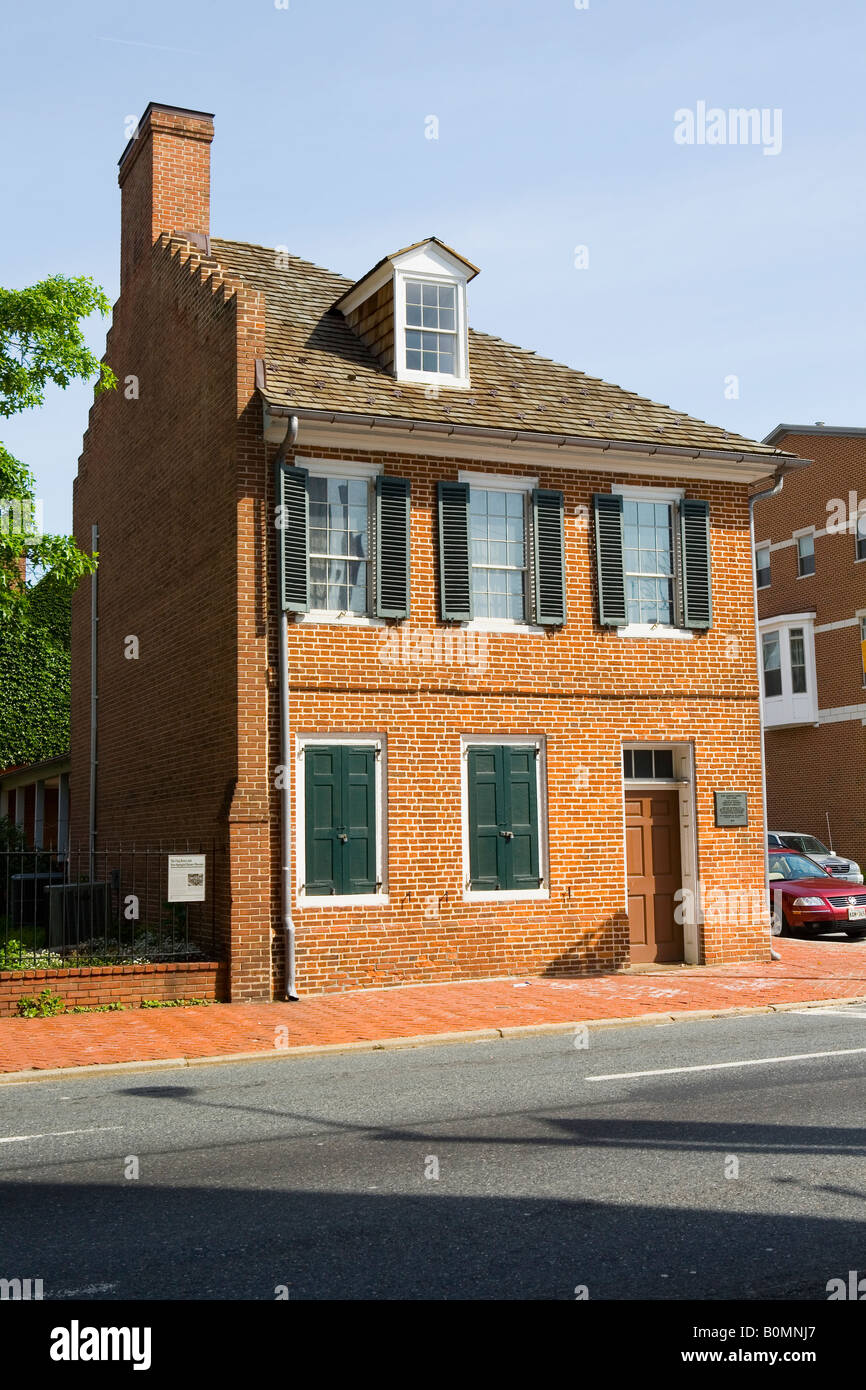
[[503, 1034]]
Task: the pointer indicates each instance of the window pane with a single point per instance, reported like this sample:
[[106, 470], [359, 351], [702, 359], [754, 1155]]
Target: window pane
[[413, 292], [772, 664], [664, 762], [798, 661], [649, 561], [643, 761], [341, 506], [626, 762]]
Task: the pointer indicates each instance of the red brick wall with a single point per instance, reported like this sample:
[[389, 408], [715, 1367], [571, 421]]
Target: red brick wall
[[584, 689], [114, 984], [813, 772]]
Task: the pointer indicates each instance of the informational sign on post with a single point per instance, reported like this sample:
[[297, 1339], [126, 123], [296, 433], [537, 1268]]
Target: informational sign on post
[[186, 878], [731, 808]]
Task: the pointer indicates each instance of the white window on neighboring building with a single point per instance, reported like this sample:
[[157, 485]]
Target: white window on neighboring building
[[789, 693], [861, 537], [762, 566], [805, 555]]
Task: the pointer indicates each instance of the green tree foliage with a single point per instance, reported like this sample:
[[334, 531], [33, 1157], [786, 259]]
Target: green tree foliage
[[41, 343]]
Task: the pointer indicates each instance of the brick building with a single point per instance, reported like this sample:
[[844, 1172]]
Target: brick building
[[447, 646], [810, 544]]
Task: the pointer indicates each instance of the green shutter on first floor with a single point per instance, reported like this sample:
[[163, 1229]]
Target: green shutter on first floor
[[340, 820], [503, 817]]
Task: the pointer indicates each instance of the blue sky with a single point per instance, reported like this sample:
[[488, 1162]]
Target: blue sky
[[556, 130]]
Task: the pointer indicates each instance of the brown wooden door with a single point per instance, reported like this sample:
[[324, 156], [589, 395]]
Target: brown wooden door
[[652, 832]]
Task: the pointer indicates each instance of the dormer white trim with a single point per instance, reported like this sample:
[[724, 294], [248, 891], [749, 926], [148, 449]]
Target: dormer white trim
[[431, 264]]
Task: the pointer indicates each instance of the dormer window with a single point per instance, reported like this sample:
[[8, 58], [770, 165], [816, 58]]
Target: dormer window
[[431, 327], [410, 311]]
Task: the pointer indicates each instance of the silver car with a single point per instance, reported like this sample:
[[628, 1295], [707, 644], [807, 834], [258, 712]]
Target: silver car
[[808, 844]]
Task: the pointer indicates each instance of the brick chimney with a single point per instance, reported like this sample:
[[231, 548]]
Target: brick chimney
[[164, 176]]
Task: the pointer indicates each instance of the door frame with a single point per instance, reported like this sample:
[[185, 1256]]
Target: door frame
[[683, 782]]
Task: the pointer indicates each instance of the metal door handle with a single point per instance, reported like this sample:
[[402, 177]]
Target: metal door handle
[[507, 834]]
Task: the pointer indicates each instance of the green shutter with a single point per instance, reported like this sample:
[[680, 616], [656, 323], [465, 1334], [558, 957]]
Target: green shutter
[[322, 873], [549, 539], [486, 818], [392, 547], [455, 575], [358, 820], [292, 537], [503, 817], [610, 563], [521, 793], [695, 562], [340, 815]]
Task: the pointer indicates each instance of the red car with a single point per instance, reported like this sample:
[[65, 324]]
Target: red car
[[806, 897]]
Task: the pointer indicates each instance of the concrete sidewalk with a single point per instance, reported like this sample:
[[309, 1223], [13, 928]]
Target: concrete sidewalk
[[809, 972]]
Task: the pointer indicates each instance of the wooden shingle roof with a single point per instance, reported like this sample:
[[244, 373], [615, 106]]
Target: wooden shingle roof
[[315, 362]]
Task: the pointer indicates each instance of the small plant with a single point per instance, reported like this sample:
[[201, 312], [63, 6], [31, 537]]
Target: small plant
[[114, 1008], [171, 1003], [18, 955], [44, 1005]]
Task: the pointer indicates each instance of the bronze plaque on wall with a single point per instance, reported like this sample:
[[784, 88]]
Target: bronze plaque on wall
[[731, 808]]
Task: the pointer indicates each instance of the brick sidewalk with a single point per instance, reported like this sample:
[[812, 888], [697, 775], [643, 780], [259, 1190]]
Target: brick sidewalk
[[807, 971]]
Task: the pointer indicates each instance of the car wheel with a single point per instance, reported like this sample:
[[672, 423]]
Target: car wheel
[[778, 925]]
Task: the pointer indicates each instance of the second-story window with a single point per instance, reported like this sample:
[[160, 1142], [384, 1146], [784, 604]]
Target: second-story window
[[431, 327], [861, 537], [498, 532], [798, 661], [805, 555], [762, 566], [649, 561], [772, 657], [339, 544]]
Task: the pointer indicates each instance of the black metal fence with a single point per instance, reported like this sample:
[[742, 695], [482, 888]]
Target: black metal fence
[[112, 906]]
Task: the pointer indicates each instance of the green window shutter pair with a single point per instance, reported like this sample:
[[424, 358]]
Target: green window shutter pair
[[391, 550], [455, 554], [340, 820], [693, 519], [503, 818]]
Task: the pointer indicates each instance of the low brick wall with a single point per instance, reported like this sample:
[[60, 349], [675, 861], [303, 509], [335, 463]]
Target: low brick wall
[[110, 984]]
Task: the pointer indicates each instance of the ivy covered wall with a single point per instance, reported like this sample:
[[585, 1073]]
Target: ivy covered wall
[[34, 678]]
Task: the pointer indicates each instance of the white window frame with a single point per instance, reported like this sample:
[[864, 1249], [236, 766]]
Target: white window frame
[[787, 709], [507, 482], [858, 559], [673, 496], [542, 893], [764, 545], [683, 781], [459, 378], [321, 900], [343, 468], [860, 618], [797, 537]]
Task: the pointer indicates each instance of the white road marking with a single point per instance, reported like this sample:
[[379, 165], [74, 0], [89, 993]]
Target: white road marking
[[835, 1013], [88, 1289], [55, 1134], [719, 1066]]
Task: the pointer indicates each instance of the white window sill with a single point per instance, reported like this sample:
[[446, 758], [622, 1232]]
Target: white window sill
[[343, 900], [502, 625], [444, 379], [517, 895], [339, 619], [655, 630]]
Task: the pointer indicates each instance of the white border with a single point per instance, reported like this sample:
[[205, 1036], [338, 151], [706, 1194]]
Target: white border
[[541, 894], [321, 900], [458, 379]]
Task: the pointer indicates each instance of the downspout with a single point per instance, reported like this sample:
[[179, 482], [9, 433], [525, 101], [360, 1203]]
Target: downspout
[[288, 442], [94, 625], [760, 497]]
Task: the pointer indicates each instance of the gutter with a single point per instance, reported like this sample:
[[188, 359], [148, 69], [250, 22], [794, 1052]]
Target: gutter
[[786, 467], [288, 442], [558, 441]]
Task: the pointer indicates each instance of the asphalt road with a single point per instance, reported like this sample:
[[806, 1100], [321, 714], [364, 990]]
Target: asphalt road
[[318, 1176]]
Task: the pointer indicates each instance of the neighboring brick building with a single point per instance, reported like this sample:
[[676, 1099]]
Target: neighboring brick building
[[520, 642], [811, 547]]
